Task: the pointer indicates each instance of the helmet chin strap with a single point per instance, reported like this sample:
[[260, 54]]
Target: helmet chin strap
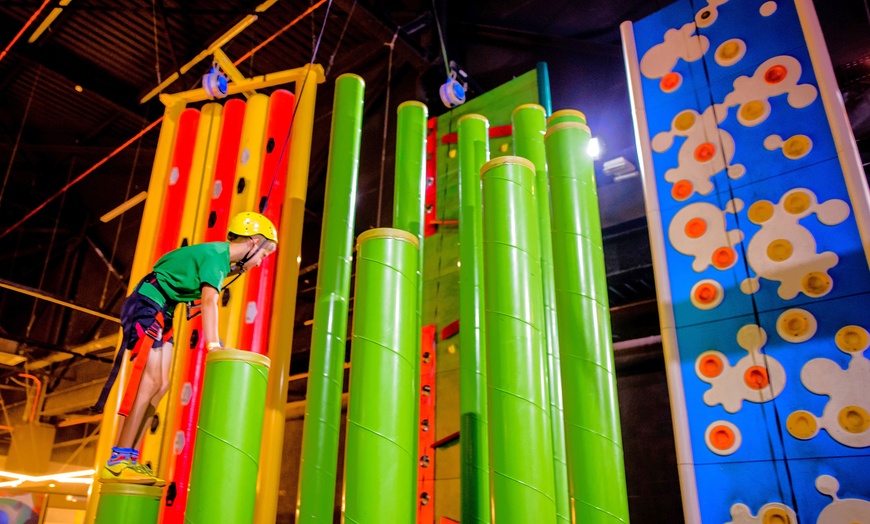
[[240, 265]]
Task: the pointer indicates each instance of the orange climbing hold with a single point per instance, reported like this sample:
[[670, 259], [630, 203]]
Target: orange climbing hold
[[705, 152], [722, 437], [696, 227], [724, 257], [670, 82], [711, 366], [682, 190], [775, 74], [756, 378], [706, 293]]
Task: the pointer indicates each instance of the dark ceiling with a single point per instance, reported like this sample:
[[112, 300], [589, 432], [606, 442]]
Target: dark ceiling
[[70, 103]]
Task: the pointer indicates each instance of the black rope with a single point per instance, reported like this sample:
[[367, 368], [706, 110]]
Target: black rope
[[755, 311], [264, 204]]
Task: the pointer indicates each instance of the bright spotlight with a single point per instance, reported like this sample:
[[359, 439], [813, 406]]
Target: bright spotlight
[[593, 149]]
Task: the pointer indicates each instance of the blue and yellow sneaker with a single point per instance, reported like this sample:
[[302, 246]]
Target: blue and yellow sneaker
[[146, 469], [123, 471]]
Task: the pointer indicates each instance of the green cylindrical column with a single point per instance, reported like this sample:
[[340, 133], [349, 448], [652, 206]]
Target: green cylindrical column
[[223, 477], [408, 212], [594, 439], [473, 427], [521, 441], [380, 457], [529, 126], [128, 503], [320, 440]]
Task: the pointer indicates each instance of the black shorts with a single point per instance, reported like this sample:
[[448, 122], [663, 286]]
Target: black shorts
[[142, 316]]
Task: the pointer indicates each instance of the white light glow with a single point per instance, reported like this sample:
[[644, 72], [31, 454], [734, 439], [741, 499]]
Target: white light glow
[[84, 476], [593, 149]]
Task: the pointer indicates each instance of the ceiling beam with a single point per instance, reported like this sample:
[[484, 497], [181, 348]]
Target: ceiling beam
[[78, 71]]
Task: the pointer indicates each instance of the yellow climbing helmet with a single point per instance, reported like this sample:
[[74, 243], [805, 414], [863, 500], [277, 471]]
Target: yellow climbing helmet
[[248, 224]]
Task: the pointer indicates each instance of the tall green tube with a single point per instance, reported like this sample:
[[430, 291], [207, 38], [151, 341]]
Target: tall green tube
[[128, 503], [380, 457], [223, 477], [408, 212], [473, 427], [529, 127], [521, 441], [595, 458], [320, 440]]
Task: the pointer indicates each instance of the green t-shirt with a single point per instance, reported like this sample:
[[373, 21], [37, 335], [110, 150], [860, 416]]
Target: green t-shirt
[[182, 272]]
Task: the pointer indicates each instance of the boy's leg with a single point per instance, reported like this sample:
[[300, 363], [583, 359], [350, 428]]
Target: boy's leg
[[165, 369], [150, 383]]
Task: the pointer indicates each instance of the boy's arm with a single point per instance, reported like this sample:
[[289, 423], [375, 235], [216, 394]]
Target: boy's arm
[[210, 298]]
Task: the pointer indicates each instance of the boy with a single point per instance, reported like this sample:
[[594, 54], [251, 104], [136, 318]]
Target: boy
[[183, 275]]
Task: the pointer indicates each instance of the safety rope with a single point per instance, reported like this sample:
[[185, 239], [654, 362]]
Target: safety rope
[[777, 422], [441, 39], [340, 38], [156, 41], [392, 46], [265, 203]]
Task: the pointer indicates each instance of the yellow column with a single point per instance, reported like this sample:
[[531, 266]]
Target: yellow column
[[284, 298], [141, 265]]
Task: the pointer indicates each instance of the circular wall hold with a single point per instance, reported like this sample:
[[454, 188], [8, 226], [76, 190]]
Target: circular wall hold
[[756, 378], [724, 257], [779, 250], [854, 419], [671, 82], [705, 152], [684, 121], [682, 190], [852, 339], [775, 74], [753, 113], [796, 325], [802, 425], [722, 437], [797, 147], [730, 52], [760, 212], [775, 516], [816, 284], [706, 294], [797, 203], [696, 227], [709, 364]]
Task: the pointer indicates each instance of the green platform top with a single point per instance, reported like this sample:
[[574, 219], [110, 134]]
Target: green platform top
[[566, 125], [388, 232], [238, 355], [567, 115], [539, 107], [473, 116], [413, 103], [495, 162]]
